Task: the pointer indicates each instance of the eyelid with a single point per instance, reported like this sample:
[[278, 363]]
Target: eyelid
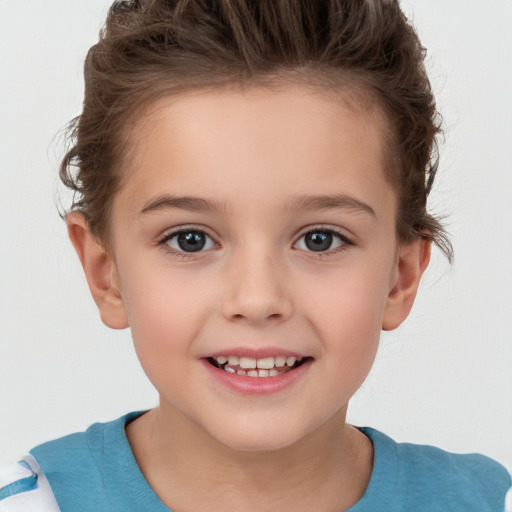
[[187, 228], [345, 240], [342, 233], [183, 228]]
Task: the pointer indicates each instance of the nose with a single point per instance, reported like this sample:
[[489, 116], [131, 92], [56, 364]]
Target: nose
[[257, 291]]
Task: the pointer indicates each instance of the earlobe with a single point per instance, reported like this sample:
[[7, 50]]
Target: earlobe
[[412, 261], [100, 272]]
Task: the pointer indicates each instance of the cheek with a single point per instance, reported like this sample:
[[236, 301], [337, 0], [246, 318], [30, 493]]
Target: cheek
[[346, 311], [352, 336], [349, 302], [351, 340], [164, 313]]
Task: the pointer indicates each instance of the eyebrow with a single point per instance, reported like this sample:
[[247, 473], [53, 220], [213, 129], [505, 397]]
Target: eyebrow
[[327, 202], [194, 204], [296, 203]]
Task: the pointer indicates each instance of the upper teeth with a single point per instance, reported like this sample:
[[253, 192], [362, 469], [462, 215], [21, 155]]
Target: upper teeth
[[265, 363]]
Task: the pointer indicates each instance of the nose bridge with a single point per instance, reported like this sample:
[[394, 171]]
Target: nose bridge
[[257, 290]]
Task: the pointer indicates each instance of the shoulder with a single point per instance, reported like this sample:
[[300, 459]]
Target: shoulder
[[24, 488], [474, 480], [442, 480], [65, 471]]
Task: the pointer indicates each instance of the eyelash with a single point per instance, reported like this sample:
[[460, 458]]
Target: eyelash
[[180, 254], [343, 240]]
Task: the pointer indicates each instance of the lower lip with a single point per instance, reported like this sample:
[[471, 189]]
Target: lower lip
[[257, 385]]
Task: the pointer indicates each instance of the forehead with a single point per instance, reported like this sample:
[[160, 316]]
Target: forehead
[[257, 143]]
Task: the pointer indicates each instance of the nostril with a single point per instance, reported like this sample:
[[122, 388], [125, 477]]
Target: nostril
[[256, 308]]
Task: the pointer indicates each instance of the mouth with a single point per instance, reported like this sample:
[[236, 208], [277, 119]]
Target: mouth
[[263, 367]]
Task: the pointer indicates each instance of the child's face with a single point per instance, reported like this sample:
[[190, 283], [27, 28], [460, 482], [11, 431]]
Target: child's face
[[259, 225]]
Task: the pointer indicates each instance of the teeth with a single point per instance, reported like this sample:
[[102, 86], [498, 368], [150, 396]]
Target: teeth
[[264, 367], [279, 361], [255, 373], [266, 364], [247, 362]]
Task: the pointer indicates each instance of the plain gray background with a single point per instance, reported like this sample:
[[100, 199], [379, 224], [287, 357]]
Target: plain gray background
[[444, 378]]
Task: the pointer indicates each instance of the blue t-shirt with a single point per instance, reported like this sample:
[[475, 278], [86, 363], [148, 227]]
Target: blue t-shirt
[[96, 471]]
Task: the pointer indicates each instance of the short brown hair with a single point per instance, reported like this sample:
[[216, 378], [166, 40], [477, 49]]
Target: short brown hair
[[149, 49]]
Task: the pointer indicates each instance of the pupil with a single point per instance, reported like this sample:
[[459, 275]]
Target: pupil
[[319, 241], [191, 242]]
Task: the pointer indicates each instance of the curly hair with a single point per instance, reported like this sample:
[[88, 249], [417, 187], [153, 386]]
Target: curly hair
[[150, 49]]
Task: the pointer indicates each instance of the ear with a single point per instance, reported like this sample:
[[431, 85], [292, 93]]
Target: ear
[[100, 271], [412, 261]]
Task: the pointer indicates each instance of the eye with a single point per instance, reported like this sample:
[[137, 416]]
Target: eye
[[321, 240], [189, 240]]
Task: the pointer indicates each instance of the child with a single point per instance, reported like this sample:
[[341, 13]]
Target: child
[[251, 183]]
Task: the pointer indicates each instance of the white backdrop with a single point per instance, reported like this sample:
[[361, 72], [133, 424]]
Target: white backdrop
[[444, 378]]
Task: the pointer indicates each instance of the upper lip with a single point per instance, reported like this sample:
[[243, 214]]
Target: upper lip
[[259, 353]]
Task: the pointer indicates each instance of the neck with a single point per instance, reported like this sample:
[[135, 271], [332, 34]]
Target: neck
[[328, 469]]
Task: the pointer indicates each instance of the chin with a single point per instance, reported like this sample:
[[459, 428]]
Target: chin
[[251, 439], [259, 445]]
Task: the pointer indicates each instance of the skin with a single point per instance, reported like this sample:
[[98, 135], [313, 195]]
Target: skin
[[257, 157]]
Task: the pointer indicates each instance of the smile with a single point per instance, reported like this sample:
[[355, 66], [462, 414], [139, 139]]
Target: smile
[[250, 367]]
